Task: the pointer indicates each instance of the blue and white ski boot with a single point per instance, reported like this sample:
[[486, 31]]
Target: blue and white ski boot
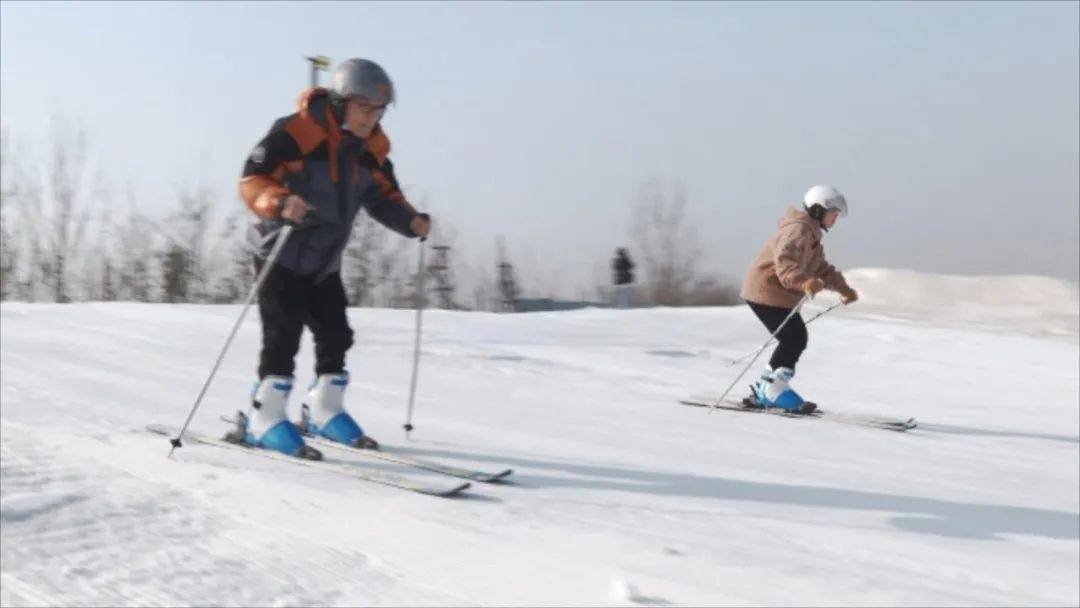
[[323, 413], [773, 390], [268, 427]]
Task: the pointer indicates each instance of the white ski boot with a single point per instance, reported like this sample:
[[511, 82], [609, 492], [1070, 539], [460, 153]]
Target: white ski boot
[[323, 413], [268, 427], [773, 389]]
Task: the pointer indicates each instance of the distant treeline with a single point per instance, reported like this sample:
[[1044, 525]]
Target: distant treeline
[[66, 236]]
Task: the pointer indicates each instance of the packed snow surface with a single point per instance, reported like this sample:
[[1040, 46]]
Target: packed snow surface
[[621, 496]]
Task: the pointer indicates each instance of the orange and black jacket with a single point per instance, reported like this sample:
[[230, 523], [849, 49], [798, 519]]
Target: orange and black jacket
[[309, 154]]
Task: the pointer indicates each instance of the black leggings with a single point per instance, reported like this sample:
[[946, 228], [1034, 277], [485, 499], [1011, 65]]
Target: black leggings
[[792, 338], [288, 302]]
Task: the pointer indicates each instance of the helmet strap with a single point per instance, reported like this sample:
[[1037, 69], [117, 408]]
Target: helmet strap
[[337, 106], [817, 212]]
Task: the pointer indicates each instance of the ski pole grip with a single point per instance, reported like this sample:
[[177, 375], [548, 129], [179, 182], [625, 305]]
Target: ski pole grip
[[427, 218], [311, 218]]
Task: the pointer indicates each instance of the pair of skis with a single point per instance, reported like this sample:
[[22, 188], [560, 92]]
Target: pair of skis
[[430, 488], [879, 422], [455, 488]]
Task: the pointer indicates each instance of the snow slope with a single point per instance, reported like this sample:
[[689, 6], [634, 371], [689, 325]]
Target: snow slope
[[620, 497]]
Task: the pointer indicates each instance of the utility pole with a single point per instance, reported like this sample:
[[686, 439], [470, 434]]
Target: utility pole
[[318, 63]]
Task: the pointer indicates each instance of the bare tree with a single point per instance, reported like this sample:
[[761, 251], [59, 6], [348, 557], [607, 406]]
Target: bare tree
[[69, 183], [238, 270], [109, 291], [667, 245], [97, 275], [45, 214], [714, 291], [359, 262], [33, 269], [53, 247], [8, 193], [124, 246], [8, 260], [135, 274], [395, 275], [183, 260]]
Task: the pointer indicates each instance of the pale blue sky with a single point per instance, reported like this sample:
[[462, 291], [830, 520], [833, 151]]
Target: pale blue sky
[[953, 129]]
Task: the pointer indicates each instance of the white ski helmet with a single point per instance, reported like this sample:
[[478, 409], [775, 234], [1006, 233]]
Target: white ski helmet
[[822, 198]]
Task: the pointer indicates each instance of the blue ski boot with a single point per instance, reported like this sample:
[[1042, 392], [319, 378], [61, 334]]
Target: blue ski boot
[[268, 427], [773, 389], [323, 413]]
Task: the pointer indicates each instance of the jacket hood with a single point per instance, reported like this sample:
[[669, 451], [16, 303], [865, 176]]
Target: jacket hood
[[799, 217]]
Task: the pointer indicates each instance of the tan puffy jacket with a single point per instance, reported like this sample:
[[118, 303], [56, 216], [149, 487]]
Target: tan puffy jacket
[[791, 257]]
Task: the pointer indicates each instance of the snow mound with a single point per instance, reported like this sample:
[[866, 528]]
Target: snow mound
[[1025, 303]]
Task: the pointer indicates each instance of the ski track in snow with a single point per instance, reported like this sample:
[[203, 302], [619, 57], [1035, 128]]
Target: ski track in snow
[[83, 532], [620, 495]]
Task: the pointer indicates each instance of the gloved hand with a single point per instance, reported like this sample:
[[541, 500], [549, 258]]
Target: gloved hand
[[421, 225], [812, 286], [298, 213], [847, 294], [294, 208]]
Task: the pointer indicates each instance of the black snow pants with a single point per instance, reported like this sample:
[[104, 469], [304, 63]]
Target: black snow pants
[[792, 339], [288, 302]]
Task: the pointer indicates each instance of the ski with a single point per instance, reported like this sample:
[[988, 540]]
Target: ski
[[418, 463], [879, 422], [440, 490], [390, 456]]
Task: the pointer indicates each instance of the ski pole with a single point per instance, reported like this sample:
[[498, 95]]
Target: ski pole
[[420, 301], [822, 313], [283, 236], [791, 314]]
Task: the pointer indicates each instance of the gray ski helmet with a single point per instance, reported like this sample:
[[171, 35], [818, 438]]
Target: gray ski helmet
[[362, 79]]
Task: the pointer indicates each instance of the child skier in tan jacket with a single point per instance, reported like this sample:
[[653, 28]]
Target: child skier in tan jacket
[[792, 264]]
